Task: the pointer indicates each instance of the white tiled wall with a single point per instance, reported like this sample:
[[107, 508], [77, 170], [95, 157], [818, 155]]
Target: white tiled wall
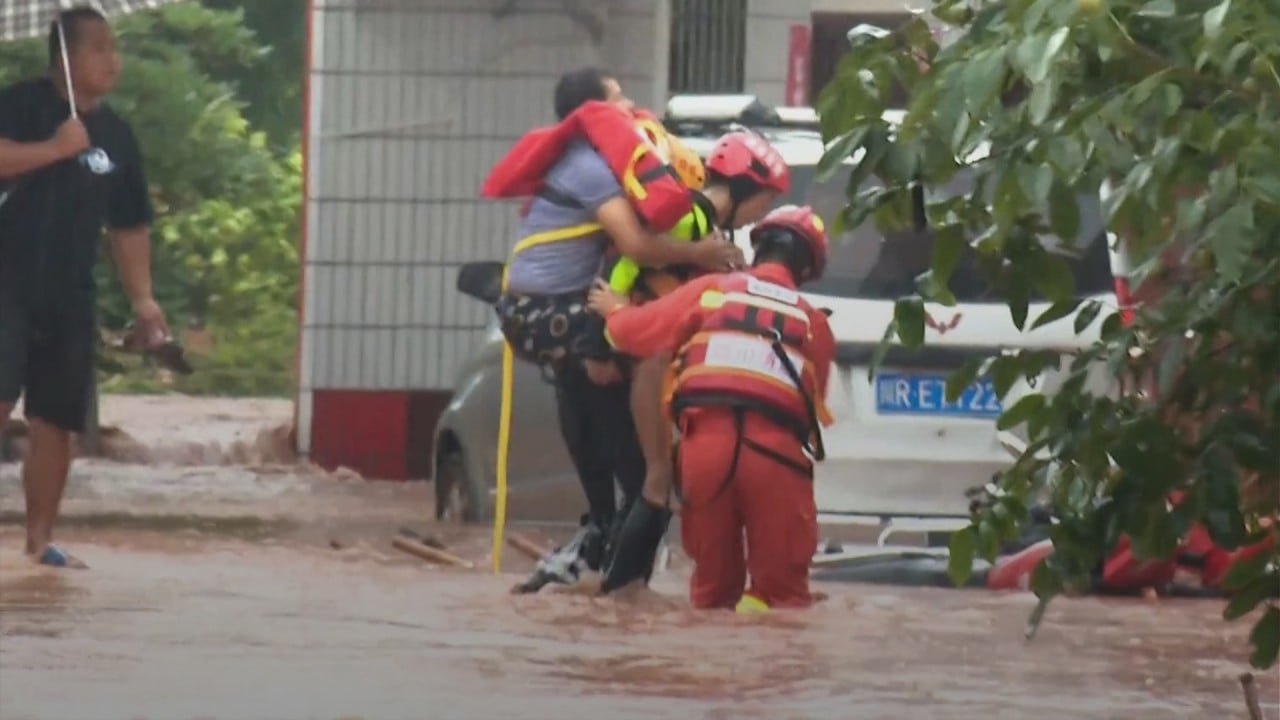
[[413, 103]]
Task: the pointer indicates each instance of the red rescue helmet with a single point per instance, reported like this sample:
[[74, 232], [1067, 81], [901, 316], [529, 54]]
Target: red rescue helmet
[[743, 154], [788, 226]]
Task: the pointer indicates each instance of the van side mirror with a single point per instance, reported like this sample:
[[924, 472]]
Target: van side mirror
[[481, 280]]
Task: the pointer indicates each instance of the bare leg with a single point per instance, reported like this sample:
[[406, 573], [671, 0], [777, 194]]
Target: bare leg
[[652, 429], [44, 478]]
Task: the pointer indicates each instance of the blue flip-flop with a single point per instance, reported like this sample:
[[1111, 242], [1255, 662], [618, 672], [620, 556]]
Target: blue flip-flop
[[54, 556]]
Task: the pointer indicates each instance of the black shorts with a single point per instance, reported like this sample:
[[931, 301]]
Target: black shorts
[[47, 361], [551, 330]]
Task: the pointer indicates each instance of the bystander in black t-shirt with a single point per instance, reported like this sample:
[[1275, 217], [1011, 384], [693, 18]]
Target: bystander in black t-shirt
[[52, 220]]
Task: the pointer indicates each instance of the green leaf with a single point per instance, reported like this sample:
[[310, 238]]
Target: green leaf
[[1043, 96], [1087, 315], [1018, 307], [1046, 582], [983, 77], [948, 245], [1213, 19], [1245, 571], [988, 545], [962, 548], [839, 151], [1009, 196], [900, 165], [1055, 312], [1265, 187], [1040, 70], [1222, 516], [1245, 600], [1064, 211], [882, 349], [962, 379], [1156, 539], [1054, 279], [1229, 242], [908, 314], [1039, 178], [1004, 372], [1021, 412], [1265, 639]]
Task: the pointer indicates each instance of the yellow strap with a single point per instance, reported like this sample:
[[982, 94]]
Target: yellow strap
[[573, 232], [630, 182], [504, 447]]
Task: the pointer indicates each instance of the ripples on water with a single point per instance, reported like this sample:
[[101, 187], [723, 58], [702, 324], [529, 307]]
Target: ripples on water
[[182, 626]]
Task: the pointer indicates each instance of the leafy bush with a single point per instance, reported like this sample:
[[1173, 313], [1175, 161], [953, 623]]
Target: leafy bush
[[225, 256], [1176, 104]]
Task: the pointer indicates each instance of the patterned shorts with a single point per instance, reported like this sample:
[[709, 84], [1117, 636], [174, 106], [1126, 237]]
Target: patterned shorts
[[550, 330]]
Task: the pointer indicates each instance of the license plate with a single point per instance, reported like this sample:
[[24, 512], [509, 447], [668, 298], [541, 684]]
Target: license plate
[[927, 395]]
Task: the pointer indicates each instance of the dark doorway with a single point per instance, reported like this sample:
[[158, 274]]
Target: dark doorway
[[830, 41]]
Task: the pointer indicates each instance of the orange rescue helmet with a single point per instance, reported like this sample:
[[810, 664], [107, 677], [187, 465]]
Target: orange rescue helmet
[[744, 154], [786, 225]]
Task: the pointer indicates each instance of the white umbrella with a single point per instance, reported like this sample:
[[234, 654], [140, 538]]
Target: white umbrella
[[23, 19]]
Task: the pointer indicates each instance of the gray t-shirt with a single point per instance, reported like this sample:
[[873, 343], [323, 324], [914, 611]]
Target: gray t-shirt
[[568, 266]]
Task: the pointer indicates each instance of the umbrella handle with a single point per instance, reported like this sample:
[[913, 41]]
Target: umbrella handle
[[66, 70]]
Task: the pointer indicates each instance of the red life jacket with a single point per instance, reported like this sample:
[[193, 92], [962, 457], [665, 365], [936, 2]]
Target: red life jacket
[[657, 195], [735, 360]]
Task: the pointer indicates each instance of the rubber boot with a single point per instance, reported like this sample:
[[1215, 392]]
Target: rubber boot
[[636, 547]]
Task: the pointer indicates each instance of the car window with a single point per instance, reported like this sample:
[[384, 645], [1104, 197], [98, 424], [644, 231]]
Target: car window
[[863, 264]]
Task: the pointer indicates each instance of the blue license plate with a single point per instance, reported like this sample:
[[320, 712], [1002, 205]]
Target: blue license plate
[[927, 395]]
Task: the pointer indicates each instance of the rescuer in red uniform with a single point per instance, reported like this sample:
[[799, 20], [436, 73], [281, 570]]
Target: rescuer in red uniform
[[752, 359]]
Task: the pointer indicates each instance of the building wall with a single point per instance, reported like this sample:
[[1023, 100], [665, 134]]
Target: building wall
[[411, 102]]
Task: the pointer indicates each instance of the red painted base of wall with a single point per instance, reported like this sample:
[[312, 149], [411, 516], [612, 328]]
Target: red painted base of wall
[[383, 435]]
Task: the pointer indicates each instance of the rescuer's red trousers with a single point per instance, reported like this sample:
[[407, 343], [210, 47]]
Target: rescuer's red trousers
[[765, 502]]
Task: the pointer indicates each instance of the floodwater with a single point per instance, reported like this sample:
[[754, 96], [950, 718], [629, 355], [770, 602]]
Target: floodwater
[[189, 624], [274, 594]]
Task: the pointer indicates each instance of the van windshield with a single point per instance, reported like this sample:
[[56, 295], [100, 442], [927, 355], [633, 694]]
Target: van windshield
[[863, 264]]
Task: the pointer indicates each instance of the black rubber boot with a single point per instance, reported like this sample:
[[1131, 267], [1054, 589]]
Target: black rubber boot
[[636, 546]]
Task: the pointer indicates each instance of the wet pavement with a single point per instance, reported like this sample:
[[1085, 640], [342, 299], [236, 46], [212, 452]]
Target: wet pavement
[[232, 593]]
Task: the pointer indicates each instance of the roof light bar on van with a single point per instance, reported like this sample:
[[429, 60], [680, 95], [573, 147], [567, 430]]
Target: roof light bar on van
[[709, 108], [800, 117], [714, 114]]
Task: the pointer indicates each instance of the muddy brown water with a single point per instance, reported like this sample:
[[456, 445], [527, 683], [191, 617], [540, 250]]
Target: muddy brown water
[[273, 594], [191, 624]]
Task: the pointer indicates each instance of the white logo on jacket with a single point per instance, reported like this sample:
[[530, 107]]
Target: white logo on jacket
[[98, 161]]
